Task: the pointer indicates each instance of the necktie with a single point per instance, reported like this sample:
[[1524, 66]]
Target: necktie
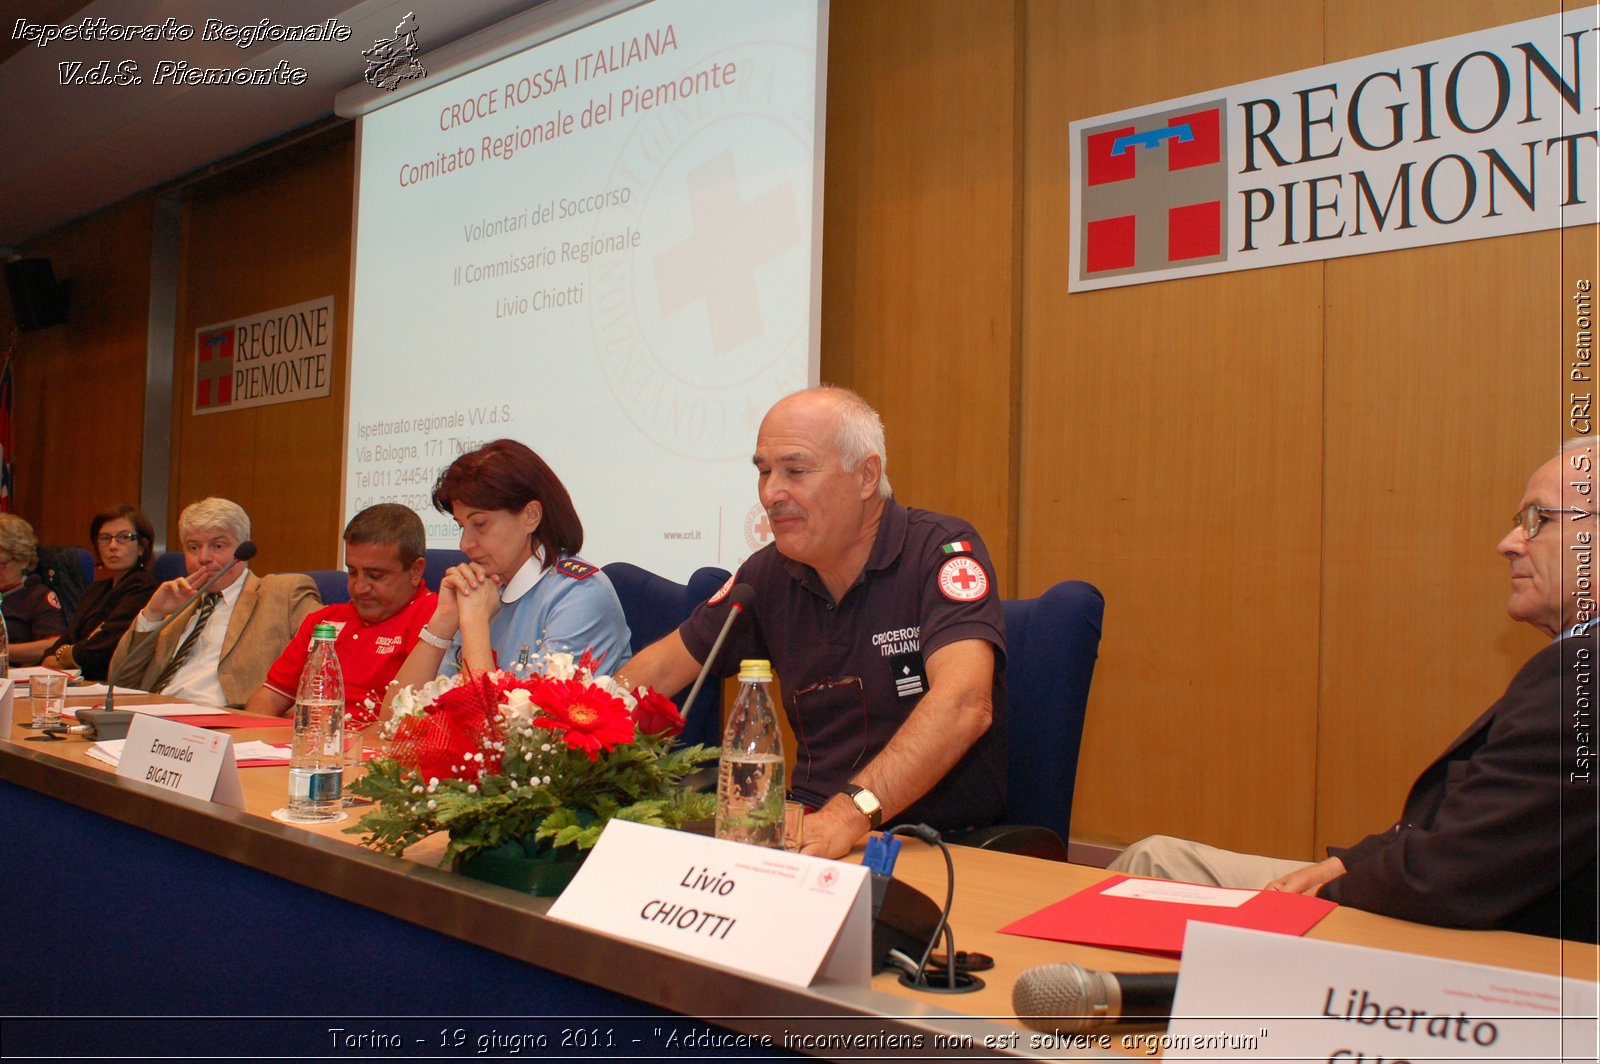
[[201, 616]]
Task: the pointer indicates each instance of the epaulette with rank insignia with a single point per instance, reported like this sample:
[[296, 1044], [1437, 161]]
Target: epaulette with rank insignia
[[576, 569]]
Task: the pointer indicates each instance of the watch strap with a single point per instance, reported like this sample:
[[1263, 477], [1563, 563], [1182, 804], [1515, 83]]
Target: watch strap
[[872, 808]]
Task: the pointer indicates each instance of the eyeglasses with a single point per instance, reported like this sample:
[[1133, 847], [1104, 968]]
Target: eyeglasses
[[105, 538], [1533, 516]]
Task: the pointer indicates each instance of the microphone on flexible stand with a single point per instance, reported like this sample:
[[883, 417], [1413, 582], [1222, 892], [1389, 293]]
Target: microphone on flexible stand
[[242, 553], [1069, 998], [738, 601]]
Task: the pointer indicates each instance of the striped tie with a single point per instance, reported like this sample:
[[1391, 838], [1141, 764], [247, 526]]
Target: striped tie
[[201, 616]]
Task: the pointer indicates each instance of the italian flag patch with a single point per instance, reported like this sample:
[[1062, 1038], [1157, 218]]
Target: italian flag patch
[[960, 546]]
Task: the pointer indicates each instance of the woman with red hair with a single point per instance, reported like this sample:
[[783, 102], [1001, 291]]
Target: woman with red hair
[[523, 590]]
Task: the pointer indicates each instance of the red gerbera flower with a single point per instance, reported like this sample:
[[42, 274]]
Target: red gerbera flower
[[587, 718]]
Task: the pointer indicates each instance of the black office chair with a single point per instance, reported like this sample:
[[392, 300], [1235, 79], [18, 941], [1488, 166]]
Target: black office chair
[[1052, 643], [654, 606]]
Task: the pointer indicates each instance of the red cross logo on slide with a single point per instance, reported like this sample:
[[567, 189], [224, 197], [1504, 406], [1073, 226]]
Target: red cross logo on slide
[[733, 238], [1155, 192], [757, 528], [962, 579]]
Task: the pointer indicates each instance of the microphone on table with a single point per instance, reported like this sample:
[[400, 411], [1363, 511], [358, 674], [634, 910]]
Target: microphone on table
[[1067, 997], [242, 553], [738, 601]]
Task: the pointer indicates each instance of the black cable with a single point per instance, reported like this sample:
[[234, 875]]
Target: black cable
[[930, 836]]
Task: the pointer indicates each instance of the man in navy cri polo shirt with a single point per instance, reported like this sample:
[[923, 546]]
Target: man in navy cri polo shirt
[[883, 623]]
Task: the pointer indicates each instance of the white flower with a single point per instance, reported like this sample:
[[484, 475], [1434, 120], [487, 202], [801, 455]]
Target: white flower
[[560, 666], [518, 707], [472, 788], [410, 701]]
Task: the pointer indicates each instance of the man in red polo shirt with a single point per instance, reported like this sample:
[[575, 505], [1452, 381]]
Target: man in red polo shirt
[[389, 604]]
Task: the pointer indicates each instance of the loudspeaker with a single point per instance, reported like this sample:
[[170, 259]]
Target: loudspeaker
[[37, 298]]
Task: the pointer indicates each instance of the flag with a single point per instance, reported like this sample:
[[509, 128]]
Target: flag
[[960, 546]]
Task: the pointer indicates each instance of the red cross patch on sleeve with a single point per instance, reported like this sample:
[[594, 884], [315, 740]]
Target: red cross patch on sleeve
[[577, 570], [722, 592], [962, 579]]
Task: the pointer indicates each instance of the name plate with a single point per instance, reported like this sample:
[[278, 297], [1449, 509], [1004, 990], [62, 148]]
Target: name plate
[[8, 701], [1250, 995], [768, 912], [181, 758]]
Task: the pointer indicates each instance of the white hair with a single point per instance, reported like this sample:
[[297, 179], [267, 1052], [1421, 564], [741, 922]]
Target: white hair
[[1579, 443], [860, 433], [213, 512]]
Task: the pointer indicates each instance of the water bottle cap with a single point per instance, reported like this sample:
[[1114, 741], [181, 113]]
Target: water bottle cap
[[755, 669], [324, 630]]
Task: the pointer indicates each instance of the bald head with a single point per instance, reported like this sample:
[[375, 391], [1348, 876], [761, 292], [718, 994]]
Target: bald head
[[856, 429], [822, 494]]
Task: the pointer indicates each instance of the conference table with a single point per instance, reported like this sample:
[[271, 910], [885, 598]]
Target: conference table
[[146, 922]]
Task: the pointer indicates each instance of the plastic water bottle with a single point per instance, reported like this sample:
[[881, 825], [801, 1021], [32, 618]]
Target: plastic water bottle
[[316, 761], [750, 781]]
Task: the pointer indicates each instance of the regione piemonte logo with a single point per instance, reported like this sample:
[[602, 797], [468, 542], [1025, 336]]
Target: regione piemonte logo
[[1155, 192]]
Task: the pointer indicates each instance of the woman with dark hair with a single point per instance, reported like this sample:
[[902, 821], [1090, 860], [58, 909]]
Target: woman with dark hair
[[523, 590], [122, 542]]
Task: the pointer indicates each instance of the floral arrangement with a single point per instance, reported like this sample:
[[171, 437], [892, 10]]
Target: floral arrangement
[[543, 760]]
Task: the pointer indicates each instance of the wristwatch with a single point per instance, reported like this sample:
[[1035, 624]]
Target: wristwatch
[[865, 801]]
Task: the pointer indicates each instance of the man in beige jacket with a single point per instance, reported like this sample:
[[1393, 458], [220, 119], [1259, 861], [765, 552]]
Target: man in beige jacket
[[218, 648]]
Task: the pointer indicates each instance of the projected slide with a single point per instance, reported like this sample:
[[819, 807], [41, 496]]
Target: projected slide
[[605, 247]]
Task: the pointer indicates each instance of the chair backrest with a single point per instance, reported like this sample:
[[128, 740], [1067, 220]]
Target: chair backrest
[[169, 566], [68, 571], [654, 606], [332, 584], [440, 559], [1051, 645]]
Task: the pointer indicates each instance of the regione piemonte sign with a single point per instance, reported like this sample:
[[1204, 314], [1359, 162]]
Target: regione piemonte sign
[[1481, 135]]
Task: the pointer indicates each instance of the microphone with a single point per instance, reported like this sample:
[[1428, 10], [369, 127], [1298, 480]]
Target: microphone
[[242, 553], [738, 601], [1067, 998]]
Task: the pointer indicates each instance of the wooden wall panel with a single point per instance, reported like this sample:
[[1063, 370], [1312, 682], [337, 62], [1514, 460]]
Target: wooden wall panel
[[79, 402], [1444, 391], [1171, 441], [920, 287], [259, 239]]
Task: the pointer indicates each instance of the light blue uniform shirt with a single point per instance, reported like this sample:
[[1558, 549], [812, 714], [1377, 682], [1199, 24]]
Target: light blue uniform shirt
[[552, 611]]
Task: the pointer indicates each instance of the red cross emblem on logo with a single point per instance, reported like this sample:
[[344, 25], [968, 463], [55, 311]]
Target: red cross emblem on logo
[[1154, 191], [214, 369], [962, 579]]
